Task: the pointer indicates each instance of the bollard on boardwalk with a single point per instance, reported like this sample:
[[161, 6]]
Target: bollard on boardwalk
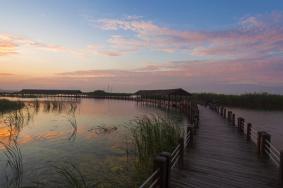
[[161, 163], [249, 131], [281, 168]]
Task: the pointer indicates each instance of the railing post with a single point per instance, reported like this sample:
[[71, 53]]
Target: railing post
[[160, 163], [239, 123], [242, 125], [190, 130], [281, 168], [167, 156], [264, 138], [181, 159], [233, 120], [249, 131], [259, 135], [224, 115]]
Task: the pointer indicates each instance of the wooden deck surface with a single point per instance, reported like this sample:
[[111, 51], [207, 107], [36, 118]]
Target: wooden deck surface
[[221, 157]]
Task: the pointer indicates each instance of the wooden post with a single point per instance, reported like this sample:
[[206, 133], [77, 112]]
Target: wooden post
[[190, 130], [230, 116], [181, 159], [239, 123], [242, 125], [160, 162], [167, 156], [259, 134], [264, 146], [249, 131], [233, 120], [224, 115], [281, 168]]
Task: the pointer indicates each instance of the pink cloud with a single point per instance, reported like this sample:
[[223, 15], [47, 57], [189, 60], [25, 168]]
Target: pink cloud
[[254, 74], [10, 44], [7, 46], [251, 36], [5, 74]]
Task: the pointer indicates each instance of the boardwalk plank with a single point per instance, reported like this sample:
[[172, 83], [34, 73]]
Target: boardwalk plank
[[221, 157]]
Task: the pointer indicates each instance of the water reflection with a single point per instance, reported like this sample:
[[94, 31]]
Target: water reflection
[[269, 121], [14, 164], [89, 133]]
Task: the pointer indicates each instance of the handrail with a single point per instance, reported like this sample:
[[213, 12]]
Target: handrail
[[173, 165], [272, 147], [174, 157], [260, 138], [175, 150], [150, 178]]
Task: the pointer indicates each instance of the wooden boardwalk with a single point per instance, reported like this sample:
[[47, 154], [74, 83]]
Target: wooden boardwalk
[[221, 157]]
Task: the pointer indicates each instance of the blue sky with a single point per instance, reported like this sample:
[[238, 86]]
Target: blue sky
[[91, 44]]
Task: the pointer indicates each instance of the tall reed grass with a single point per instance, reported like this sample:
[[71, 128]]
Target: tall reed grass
[[7, 106], [150, 136], [13, 153]]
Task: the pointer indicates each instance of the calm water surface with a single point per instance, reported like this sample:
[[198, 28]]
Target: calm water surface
[[91, 133], [269, 121]]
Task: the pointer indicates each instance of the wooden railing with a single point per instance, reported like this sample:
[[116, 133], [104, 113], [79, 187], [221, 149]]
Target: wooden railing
[[164, 162], [262, 139]]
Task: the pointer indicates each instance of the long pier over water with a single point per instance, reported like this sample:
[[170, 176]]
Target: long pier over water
[[222, 157], [216, 149], [219, 151]]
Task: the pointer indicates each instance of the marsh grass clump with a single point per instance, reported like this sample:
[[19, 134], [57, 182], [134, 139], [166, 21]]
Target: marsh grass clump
[[150, 136], [13, 153], [73, 120], [70, 176], [7, 106], [259, 101]]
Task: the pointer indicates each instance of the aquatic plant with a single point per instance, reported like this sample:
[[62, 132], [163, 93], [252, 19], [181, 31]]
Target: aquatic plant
[[70, 176], [15, 121], [262, 101], [150, 136], [7, 106], [73, 120], [14, 163]]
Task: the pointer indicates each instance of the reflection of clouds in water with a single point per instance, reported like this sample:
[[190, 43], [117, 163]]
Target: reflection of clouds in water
[[11, 124], [101, 134]]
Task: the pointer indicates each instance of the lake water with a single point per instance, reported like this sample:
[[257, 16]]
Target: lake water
[[269, 121], [89, 133]]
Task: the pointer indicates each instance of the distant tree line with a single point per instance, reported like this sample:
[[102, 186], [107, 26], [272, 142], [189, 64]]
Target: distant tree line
[[262, 101]]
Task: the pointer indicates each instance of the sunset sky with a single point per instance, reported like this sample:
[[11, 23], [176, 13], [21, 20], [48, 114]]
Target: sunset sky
[[202, 46]]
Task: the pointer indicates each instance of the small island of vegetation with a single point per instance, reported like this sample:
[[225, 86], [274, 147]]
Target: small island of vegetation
[[7, 105]]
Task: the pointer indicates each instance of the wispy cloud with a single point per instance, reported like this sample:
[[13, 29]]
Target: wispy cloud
[[7, 46], [6, 74], [10, 44], [231, 72], [251, 36]]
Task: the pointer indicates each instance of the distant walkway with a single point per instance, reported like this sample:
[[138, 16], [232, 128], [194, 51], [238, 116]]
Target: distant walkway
[[221, 157]]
